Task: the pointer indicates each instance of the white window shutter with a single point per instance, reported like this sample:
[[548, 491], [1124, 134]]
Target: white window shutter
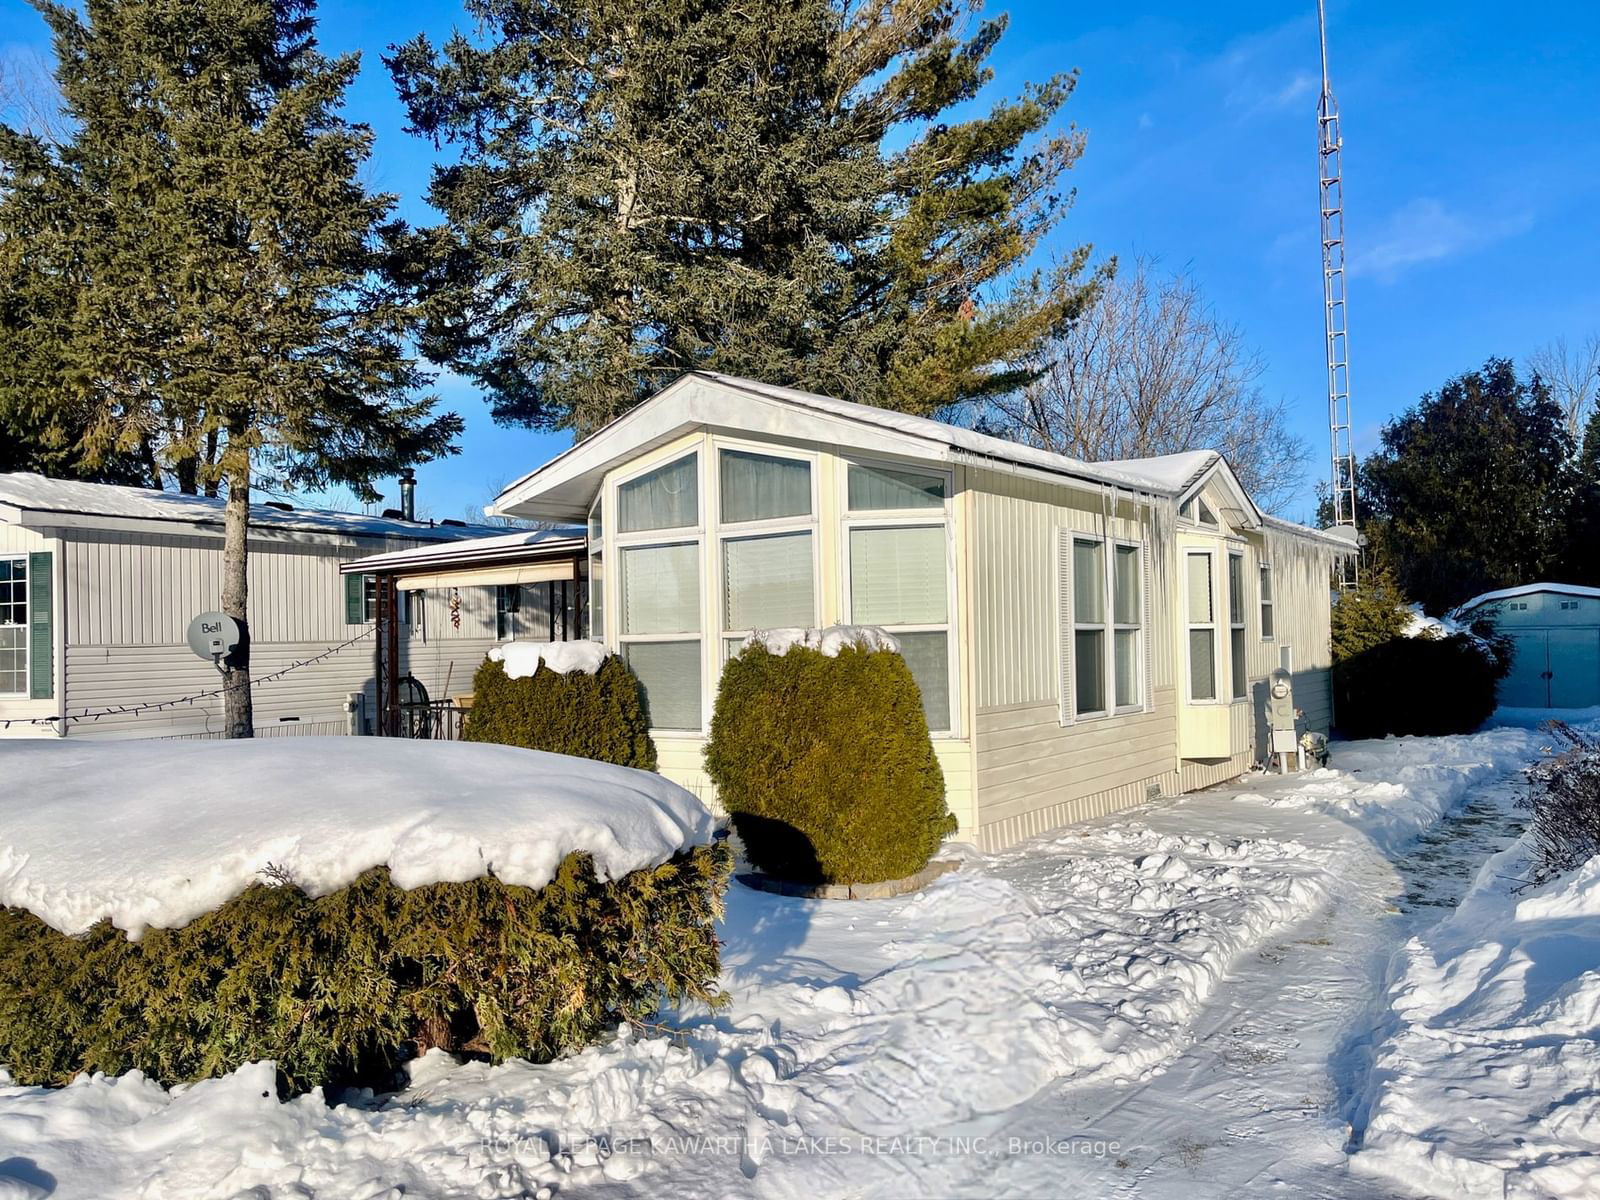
[[1064, 621]]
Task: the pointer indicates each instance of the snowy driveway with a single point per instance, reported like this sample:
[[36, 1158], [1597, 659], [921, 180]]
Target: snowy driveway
[[1184, 999]]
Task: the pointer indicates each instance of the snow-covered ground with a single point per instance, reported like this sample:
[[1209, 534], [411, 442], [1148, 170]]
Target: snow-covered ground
[[1183, 1000]]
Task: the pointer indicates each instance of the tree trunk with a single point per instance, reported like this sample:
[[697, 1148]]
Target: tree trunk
[[238, 716]]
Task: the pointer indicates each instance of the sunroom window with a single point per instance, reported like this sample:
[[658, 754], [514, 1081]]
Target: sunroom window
[[899, 580], [659, 620], [1202, 627], [597, 575], [881, 489], [767, 544]]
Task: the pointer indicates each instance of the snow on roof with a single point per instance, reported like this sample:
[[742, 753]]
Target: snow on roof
[[1126, 474], [1528, 589], [35, 493], [516, 544], [1174, 472], [155, 833]]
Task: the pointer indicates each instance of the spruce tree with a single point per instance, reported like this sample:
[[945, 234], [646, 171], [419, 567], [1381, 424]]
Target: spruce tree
[[778, 189], [229, 298], [1581, 554]]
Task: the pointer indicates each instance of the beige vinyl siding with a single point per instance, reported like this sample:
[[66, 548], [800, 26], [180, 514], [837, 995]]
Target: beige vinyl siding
[[1013, 532]]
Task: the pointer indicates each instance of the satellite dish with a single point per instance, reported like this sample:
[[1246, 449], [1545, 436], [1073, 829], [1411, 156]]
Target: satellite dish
[[213, 636]]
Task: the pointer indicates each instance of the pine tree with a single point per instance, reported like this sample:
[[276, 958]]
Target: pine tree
[[1471, 488], [776, 189], [229, 298]]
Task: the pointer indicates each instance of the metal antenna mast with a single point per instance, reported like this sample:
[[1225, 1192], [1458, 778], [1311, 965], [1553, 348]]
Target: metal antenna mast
[[1343, 480]]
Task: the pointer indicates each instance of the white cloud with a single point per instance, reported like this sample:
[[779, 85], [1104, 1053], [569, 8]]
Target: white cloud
[[1423, 231]]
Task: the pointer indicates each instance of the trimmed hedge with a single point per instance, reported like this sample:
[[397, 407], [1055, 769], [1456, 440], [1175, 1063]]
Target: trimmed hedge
[[599, 716], [338, 989], [1418, 685], [825, 765]]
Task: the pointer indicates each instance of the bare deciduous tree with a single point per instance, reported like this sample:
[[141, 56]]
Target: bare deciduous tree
[[1148, 368], [1573, 376]]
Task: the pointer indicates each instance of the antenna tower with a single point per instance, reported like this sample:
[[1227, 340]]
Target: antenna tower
[[1330, 143]]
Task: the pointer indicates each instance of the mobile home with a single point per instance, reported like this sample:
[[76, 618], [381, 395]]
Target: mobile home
[[1086, 636]]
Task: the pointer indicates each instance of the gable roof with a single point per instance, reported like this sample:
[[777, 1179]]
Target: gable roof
[[562, 488], [1528, 589], [34, 500]]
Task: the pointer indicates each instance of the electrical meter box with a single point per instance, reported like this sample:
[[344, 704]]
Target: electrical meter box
[[1281, 712]]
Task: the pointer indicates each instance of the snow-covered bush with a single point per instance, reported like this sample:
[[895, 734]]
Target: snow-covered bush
[[186, 907], [822, 757], [550, 696], [1564, 795], [339, 988]]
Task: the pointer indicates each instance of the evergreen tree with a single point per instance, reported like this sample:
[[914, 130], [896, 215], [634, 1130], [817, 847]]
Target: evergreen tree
[[1470, 490], [774, 189], [1369, 614], [218, 289], [1581, 554]]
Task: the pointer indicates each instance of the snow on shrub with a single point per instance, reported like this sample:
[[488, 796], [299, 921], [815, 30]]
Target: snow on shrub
[[334, 904], [564, 697], [1564, 795], [822, 758]]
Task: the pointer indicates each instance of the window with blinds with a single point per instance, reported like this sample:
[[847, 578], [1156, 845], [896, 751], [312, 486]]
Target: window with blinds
[[1238, 672], [1202, 626], [661, 588], [767, 582], [1089, 627], [768, 579], [1268, 629], [1127, 603], [900, 580]]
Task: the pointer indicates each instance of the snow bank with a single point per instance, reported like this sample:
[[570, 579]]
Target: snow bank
[[154, 833], [1485, 1085], [521, 659], [830, 640]]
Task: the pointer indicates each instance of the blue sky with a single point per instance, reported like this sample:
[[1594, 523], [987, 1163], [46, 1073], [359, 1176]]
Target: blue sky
[[1471, 180]]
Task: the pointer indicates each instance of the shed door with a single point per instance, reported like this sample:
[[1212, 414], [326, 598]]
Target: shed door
[[1574, 668], [1528, 685]]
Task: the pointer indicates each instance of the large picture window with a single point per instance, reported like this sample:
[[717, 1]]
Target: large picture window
[[659, 612], [1202, 626], [900, 573], [1237, 671], [13, 626], [768, 544]]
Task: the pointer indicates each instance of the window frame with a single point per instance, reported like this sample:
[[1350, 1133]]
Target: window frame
[[1190, 625], [898, 518], [1238, 669], [1266, 601], [1140, 677], [727, 531], [595, 580], [643, 539], [1107, 657], [26, 625]]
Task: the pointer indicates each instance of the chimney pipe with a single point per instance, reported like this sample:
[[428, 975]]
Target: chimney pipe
[[408, 494]]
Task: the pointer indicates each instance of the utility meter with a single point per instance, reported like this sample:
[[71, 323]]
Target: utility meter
[[1281, 715]]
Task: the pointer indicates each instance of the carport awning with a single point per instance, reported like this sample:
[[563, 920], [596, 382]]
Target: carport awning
[[543, 572]]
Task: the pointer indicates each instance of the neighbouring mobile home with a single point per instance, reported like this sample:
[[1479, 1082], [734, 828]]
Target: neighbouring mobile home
[[98, 584], [1086, 636]]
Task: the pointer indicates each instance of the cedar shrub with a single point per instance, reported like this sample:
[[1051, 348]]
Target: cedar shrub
[[599, 716], [825, 764], [339, 989], [1420, 685]]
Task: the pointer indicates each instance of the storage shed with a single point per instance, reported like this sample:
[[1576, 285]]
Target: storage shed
[[1555, 628]]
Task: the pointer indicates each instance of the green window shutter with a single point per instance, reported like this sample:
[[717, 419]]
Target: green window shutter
[[355, 599], [41, 628]]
